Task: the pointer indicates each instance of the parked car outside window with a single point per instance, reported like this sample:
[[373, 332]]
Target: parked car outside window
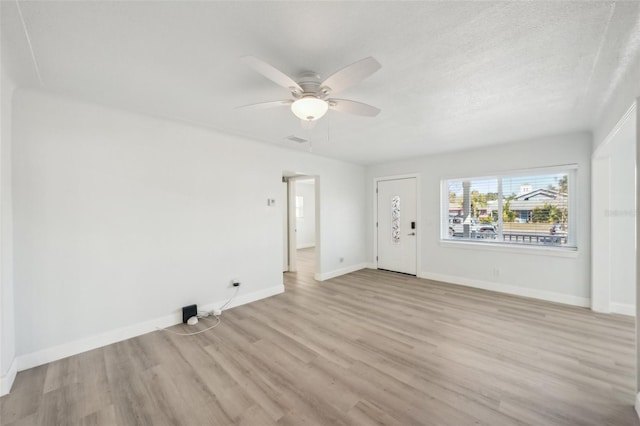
[[476, 228]]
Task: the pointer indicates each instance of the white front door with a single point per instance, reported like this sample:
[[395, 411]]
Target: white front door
[[397, 225]]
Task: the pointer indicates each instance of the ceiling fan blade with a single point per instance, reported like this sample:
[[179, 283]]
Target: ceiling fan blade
[[353, 107], [263, 105], [272, 73], [350, 75]]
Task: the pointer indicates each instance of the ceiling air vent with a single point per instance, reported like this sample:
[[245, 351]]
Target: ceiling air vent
[[296, 139]]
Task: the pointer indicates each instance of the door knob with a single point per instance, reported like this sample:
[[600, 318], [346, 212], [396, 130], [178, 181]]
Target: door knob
[[413, 233]]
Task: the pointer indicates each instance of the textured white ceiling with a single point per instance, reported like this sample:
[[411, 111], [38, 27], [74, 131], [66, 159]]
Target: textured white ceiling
[[454, 75]]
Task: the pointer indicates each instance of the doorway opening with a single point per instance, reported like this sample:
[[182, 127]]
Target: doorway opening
[[301, 254]]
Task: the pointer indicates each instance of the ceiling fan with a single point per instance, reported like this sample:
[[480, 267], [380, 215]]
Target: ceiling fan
[[310, 96]]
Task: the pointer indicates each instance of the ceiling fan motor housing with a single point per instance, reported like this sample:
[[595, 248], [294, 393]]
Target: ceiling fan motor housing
[[310, 84]]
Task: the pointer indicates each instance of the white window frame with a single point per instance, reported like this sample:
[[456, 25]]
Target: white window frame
[[573, 238]]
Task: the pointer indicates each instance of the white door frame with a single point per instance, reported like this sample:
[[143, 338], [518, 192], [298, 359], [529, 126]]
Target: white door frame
[[291, 219], [285, 225], [291, 216], [419, 224]]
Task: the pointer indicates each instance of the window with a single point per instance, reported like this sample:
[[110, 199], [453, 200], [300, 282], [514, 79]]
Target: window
[[528, 208], [299, 206]]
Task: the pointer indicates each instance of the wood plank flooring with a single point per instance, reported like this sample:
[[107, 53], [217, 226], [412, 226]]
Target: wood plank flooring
[[368, 348]]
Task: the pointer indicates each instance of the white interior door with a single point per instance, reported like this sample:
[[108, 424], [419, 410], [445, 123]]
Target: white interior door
[[397, 225]]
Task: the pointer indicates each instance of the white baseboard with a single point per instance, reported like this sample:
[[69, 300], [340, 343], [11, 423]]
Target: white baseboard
[[637, 405], [371, 265], [305, 245], [6, 381], [72, 348], [623, 309], [243, 299], [64, 350], [338, 272], [510, 289]]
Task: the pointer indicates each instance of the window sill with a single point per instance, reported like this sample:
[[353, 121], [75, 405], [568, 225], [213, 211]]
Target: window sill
[[571, 252]]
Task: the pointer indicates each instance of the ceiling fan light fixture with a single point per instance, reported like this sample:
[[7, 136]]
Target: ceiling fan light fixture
[[309, 108]]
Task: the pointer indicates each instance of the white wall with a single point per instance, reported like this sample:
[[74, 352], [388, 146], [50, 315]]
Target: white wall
[[624, 91], [306, 226], [527, 272], [622, 220], [122, 218], [600, 233], [7, 330], [613, 226]]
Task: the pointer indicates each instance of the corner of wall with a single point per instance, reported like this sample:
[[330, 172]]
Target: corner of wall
[[7, 379], [338, 272]]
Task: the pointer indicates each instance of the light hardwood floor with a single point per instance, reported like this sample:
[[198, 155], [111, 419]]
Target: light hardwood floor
[[370, 347]]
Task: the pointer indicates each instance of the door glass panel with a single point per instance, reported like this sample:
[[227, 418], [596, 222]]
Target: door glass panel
[[395, 219]]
